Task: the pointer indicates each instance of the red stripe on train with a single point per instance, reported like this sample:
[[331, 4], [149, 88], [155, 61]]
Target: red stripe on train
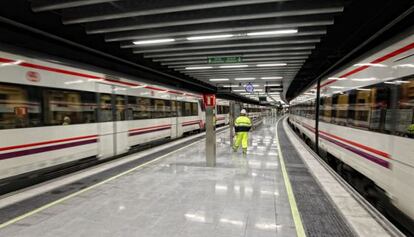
[[46, 142], [378, 60]]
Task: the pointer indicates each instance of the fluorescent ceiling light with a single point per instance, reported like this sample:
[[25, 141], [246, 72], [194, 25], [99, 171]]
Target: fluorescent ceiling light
[[219, 79], [239, 90], [271, 78], [365, 79], [271, 65], [337, 78], [197, 68], [210, 37], [363, 89], [244, 78], [370, 65], [233, 66], [273, 84], [273, 32], [155, 41], [337, 87], [258, 89], [227, 86]]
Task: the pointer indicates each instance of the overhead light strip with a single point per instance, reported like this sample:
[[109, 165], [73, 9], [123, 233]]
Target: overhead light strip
[[154, 41]]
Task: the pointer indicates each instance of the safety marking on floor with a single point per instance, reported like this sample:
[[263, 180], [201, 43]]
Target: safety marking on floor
[[44, 207], [300, 231]]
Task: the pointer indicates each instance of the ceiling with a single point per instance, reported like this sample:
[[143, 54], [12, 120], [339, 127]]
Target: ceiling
[[273, 41]]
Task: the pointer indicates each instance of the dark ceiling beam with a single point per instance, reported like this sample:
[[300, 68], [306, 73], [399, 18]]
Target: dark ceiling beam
[[247, 60], [50, 5], [125, 9], [301, 22], [237, 37], [231, 51], [238, 70], [237, 13], [227, 46], [287, 55]]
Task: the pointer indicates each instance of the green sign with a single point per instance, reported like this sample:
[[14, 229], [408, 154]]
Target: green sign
[[224, 59]]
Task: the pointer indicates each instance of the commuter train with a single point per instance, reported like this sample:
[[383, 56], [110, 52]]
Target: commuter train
[[366, 125], [53, 114]]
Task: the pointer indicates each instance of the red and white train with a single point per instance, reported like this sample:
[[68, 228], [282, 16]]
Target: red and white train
[[52, 114], [366, 125]]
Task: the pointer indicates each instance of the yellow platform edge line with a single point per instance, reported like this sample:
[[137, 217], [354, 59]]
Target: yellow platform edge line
[[44, 207], [300, 231]]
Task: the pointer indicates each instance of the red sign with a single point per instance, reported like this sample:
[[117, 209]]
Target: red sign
[[33, 76], [209, 99]]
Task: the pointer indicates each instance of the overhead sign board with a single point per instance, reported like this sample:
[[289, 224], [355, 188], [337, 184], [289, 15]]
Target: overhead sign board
[[209, 100], [249, 87], [223, 59]]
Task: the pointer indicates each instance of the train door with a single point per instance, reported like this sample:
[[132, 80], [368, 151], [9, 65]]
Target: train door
[[112, 126]]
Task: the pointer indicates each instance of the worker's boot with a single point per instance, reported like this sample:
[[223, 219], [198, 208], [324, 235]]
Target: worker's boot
[[244, 151], [234, 149]]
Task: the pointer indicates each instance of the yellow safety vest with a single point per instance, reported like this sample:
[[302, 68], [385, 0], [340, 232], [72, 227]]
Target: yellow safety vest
[[242, 124]]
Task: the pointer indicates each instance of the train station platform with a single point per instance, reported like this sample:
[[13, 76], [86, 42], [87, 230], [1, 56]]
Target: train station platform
[[277, 189]]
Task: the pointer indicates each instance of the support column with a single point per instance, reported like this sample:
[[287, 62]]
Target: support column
[[231, 122], [210, 137]]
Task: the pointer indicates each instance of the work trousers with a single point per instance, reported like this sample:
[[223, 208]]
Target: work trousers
[[241, 138]]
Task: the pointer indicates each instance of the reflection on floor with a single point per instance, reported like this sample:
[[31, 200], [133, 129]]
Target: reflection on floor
[[179, 196]]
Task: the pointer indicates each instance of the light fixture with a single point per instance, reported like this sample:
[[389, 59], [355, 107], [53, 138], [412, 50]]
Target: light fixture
[[258, 90], [337, 78], [228, 86], [272, 84], [273, 32], [370, 65], [239, 90], [198, 68], [271, 65], [233, 66], [244, 78], [271, 78], [219, 79], [210, 37], [155, 41], [364, 79], [337, 87]]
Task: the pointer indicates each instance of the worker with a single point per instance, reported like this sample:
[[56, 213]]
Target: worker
[[242, 127], [410, 130]]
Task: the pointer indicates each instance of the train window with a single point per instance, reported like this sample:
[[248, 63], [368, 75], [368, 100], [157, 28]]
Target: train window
[[144, 108], [404, 117], [160, 109], [179, 108], [105, 108], [120, 105], [194, 109], [64, 107], [186, 109], [20, 107], [174, 108]]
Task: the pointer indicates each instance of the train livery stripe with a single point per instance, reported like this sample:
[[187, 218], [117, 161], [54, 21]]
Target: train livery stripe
[[361, 153], [89, 76], [378, 152], [189, 123], [46, 142], [378, 60], [146, 128], [139, 132], [15, 154]]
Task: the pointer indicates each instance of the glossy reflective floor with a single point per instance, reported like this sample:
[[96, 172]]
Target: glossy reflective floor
[[179, 196]]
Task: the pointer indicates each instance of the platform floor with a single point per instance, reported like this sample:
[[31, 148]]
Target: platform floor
[[178, 196]]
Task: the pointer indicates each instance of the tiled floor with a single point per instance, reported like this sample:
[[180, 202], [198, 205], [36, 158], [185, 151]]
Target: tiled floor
[[179, 196]]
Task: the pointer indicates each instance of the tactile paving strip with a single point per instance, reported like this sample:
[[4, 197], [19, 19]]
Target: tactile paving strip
[[319, 215]]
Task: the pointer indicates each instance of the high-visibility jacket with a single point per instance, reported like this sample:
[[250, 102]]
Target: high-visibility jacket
[[242, 124], [411, 128]]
